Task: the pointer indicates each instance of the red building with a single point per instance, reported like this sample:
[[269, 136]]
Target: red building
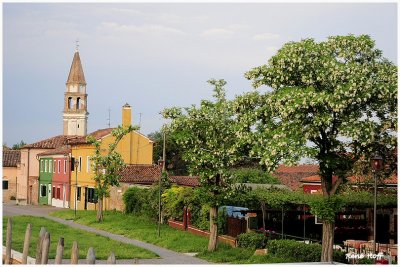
[[61, 184]]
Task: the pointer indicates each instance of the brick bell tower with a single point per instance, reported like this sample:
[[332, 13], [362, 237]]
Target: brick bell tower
[[75, 113]]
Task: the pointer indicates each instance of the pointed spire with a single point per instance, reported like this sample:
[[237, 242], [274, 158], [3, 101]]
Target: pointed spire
[[76, 72]]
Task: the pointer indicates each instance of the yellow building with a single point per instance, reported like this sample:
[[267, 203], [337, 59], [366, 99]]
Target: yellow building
[[135, 148]]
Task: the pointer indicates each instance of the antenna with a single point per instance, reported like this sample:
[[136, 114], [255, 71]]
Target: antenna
[[109, 118], [140, 121]]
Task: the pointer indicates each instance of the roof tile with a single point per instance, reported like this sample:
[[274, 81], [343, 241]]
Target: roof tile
[[11, 158]]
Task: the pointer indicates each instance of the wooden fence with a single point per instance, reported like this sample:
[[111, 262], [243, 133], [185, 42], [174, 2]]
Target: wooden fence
[[43, 248], [236, 226]]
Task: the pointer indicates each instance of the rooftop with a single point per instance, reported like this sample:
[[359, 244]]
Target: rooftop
[[11, 158]]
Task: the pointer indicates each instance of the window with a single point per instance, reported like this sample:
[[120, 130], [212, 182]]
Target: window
[[59, 166], [65, 166], [88, 164], [91, 195], [5, 184], [43, 190], [45, 166], [58, 195], [41, 165], [78, 195], [80, 164], [54, 192], [69, 102], [54, 166], [50, 166]]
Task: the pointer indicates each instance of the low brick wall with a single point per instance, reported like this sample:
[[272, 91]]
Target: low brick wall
[[222, 238], [176, 225]]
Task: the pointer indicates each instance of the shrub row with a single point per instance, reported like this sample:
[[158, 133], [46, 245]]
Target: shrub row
[[251, 240], [300, 252]]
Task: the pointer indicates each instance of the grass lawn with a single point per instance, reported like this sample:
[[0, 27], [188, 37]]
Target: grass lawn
[[102, 245], [144, 229], [140, 228]]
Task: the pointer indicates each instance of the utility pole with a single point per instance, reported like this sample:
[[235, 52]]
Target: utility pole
[[109, 118]]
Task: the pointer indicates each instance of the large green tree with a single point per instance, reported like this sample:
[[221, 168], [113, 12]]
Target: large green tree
[[107, 164], [206, 135], [333, 101], [174, 161]]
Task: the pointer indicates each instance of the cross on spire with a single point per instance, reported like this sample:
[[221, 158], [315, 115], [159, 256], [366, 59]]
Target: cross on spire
[[77, 44]]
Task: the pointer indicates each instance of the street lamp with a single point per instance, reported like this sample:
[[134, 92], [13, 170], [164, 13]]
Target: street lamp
[[376, 165], [161, 164], [76, 165]]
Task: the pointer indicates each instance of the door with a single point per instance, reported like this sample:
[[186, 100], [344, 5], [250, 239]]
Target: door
[[64, 196], [86, 200], [49, 194]]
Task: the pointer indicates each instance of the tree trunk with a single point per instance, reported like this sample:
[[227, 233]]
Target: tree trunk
[[212, 244], [100, 210], [263, 209], [327, 241]]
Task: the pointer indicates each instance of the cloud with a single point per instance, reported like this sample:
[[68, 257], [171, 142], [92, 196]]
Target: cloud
[[112, 27], [266, 36], [217, 32]]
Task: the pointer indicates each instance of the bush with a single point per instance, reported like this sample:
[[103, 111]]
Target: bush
[[134, 199], [297, 251], [251, 240], [175, 199]]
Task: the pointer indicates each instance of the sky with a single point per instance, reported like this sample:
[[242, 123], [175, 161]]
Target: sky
[[155, 56]]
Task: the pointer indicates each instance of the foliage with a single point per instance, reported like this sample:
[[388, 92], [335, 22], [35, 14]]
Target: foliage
[[251, 240], [325, 208], [297, 251], [226, 254], [222, 221], [174, 159], [333, 101], [19, 145], [206, 135], [328, 98], [102, 245], [252, 175], [144, 201], [175, 199], [134, 199], [107, 166]]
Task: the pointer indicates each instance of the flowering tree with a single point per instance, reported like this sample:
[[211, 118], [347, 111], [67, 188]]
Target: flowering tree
[[333, 101], [206, 135], [106, 166]]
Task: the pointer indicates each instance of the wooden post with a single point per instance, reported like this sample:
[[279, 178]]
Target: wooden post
[[27, 240], [39, 245], [111, 259], [74, 253], [8, 242], [90, 257], [60, 251], [45, 248], [135, 261]]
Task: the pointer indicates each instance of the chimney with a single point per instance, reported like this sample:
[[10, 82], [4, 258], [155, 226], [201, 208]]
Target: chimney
[[126, 115]]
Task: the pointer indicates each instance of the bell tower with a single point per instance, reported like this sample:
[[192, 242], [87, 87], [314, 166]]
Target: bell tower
[[75, 113]]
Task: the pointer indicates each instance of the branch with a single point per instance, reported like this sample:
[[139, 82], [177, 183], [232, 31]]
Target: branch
[[336, 186]]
